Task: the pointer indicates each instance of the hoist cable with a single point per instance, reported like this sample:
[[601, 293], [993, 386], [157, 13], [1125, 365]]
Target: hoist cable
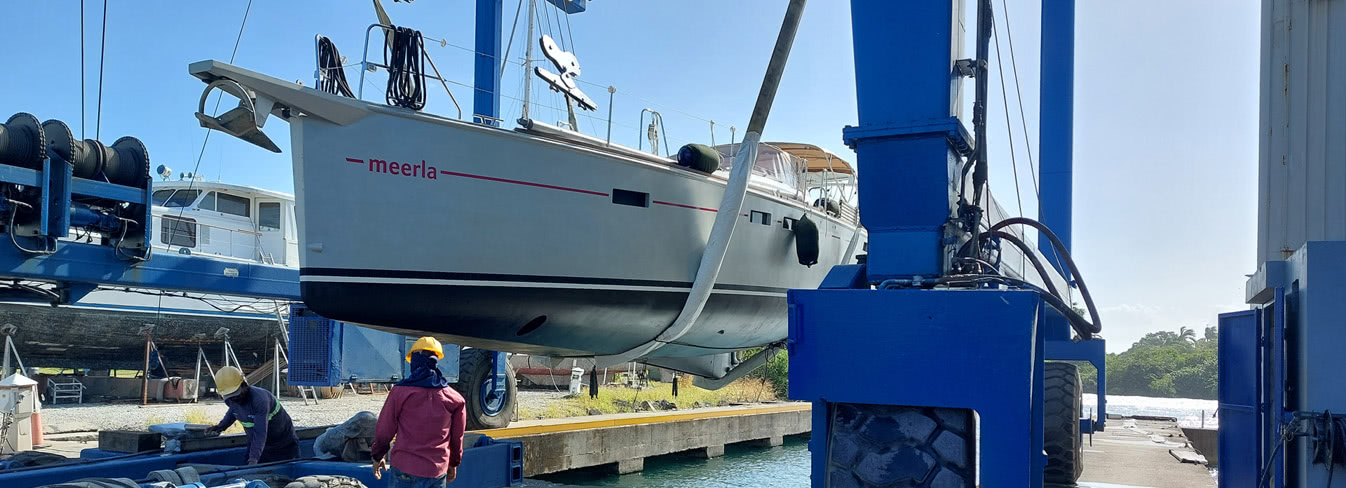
[[1023, 119]]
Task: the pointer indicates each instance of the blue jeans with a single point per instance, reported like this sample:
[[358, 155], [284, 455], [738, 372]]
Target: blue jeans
[[397, 479]]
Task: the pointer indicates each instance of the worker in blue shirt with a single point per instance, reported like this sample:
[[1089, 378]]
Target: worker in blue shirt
[[270, 431]]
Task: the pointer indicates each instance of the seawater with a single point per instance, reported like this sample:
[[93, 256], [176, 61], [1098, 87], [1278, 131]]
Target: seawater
[[788, 465], [1189, 412], [784, 466]]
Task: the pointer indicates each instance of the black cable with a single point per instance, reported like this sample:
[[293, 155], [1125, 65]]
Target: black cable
[[980, 171], [83, 118], [1032, 257], [406, 85], [333, 74], [49, 244], [102, 54], [1065, 256], [1082, 326], [1023, 120]]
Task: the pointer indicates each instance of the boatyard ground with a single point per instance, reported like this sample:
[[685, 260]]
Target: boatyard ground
[[74, 427]]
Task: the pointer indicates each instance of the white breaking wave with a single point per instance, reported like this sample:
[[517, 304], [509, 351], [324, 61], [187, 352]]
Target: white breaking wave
[[1188, 411]]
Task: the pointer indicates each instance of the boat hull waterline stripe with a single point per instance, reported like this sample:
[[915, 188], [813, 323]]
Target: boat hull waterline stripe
[[336, 275]]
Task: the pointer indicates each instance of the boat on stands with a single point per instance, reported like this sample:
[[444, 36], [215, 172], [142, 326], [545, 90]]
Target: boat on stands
[[106, 329]]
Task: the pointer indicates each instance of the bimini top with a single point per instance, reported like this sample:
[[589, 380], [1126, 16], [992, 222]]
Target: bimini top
[[819, 159]]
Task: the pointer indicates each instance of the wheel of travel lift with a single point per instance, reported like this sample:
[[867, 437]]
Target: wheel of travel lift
[[325, 481], [887, 445], [485, 409], [1061, 424]]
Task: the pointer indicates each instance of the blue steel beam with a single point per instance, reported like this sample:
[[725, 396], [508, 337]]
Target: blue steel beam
[[486, 93], [1057, 120], [908, 136], [75, 262]]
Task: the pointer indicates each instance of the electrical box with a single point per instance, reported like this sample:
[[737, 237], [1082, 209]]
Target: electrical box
[[325, 352], [18, 401]]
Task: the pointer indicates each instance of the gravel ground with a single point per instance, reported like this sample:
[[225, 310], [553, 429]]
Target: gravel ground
[[103, 416]]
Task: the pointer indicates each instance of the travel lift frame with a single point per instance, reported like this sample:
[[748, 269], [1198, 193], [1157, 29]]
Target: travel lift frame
[[951, 351], [37, 177]]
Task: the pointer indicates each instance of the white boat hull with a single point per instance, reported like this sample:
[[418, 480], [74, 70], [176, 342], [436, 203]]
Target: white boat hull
[[494, 229], [416, 224]]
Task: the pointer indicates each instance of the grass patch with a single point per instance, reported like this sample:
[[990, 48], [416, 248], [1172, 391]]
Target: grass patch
[[620, 399]]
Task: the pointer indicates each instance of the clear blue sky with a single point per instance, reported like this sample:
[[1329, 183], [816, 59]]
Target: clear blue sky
[[1165, 124]]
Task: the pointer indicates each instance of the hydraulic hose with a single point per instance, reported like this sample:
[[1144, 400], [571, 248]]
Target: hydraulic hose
[[1065, 256], [1032, 257], [727, 216], [1077, 322]]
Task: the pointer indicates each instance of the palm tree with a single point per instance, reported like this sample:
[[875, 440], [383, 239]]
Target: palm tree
[[1187, 334]]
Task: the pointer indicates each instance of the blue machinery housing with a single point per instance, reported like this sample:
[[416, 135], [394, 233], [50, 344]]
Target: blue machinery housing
[[1280, 371], [957, 350], [488, 462], [330, 352]]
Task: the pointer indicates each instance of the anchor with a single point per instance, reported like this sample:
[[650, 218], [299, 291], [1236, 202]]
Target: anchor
[[244, 121]]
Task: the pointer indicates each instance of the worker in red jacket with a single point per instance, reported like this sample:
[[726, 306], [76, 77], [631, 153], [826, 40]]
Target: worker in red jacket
[[426, 419]]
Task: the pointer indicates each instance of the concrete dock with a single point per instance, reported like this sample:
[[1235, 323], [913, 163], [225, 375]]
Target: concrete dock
[[1135, 453], [621, 442]]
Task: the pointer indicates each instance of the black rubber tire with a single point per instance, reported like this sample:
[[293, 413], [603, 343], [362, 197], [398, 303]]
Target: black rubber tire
[[887, 445], [1061, 424], [96, 483], [34, 458], [325, 481], [473, 367]]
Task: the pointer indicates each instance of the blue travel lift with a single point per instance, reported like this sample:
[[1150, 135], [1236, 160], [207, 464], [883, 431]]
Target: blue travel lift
[[51, 182], [969, 351]]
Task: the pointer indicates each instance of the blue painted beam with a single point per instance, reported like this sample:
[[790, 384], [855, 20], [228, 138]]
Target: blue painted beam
[[91, 263], [908, 135], [486, 93], [1057, 112]]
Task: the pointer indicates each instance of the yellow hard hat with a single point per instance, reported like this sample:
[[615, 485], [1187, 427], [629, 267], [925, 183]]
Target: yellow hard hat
[[426, 343], [227, 381]]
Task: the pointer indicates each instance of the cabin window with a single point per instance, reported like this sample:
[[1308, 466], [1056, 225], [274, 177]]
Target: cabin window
[[175, 198], [226, 203], [788, 223], [177, 232], [632, 198], [268, 216], [761, 217]]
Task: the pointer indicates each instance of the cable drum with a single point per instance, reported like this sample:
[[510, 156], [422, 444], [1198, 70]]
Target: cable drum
[[22, 141], [128, 163], [61, 143]]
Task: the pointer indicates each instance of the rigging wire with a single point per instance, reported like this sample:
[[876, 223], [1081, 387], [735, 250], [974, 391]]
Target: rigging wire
[[504, 60], [1009, 130], [1014, 66], [102, 55], [83, 117], [569, 32], [158, 313]]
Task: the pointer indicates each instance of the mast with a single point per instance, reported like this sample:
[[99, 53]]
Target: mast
[[528, 61]]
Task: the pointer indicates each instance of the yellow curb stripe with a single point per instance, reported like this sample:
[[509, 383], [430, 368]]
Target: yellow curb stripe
[[551, 428]]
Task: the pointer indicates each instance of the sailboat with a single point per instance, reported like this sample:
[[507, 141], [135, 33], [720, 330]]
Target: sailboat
[[539, 239]]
